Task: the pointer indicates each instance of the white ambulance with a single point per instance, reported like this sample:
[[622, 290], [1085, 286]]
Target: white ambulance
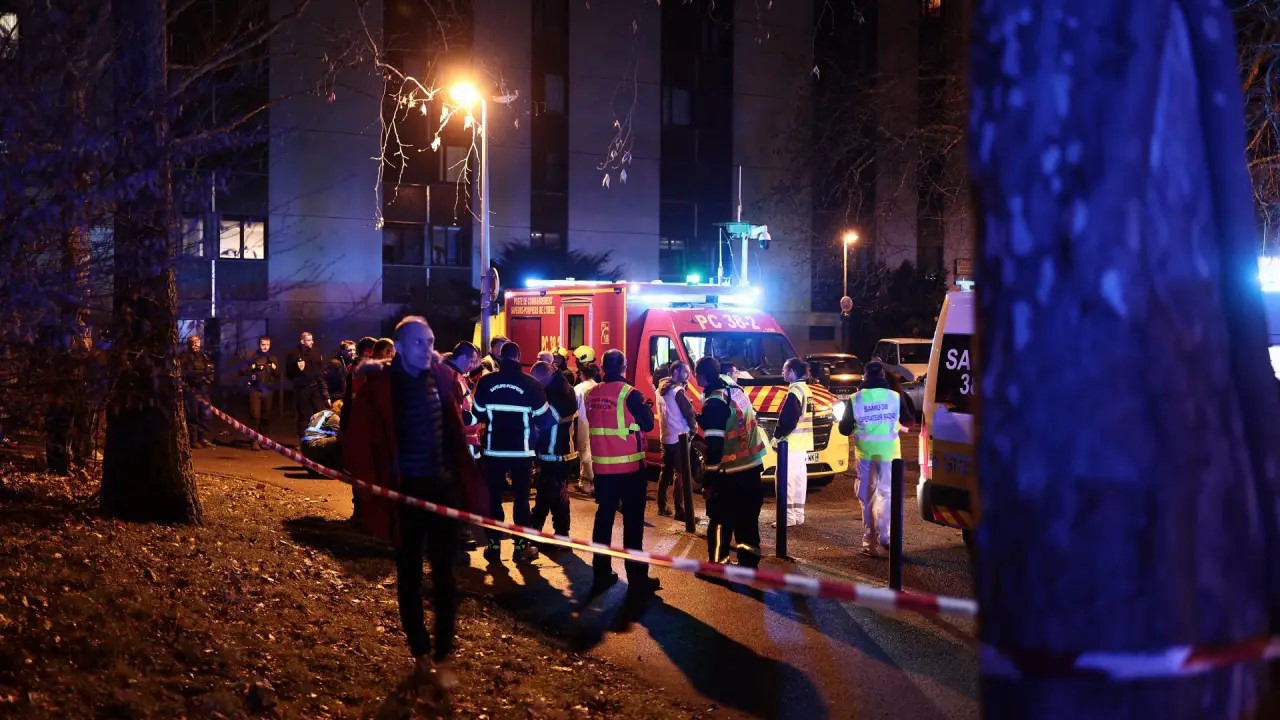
[[948, 489]]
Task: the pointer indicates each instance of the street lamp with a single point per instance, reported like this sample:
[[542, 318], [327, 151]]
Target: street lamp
[[850, 238], [466, 95]]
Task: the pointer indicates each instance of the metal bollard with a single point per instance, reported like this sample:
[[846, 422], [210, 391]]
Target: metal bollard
[[686, 476], [895, 528], [781, 492]]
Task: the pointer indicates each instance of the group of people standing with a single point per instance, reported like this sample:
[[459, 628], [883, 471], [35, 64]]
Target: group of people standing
[[461, 430]]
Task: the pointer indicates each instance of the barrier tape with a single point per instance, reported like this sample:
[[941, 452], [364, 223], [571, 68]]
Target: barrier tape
[[865, 595], [1121, 666]]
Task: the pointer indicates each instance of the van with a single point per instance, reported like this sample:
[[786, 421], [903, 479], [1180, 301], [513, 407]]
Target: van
[[948, 489]]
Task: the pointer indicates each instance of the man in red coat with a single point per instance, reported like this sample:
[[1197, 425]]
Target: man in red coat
[[405, 432]]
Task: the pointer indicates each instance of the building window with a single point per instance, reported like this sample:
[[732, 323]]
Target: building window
[[450, 246], [551, 21], [676, 106], [402, 244], [931, 8], [242, 239], [192, 236], [716, 38], [553, 94], [8, 35]]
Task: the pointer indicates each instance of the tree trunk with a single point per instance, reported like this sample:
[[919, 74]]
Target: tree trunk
[[146, 469], [1129, 482]]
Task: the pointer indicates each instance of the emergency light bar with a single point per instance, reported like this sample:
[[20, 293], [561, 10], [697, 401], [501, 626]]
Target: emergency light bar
[[658, 294]]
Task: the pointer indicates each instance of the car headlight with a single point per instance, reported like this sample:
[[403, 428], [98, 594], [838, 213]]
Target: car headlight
[[837, 411]]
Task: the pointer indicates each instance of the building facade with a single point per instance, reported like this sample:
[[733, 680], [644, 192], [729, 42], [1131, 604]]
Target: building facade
[[632, 129]]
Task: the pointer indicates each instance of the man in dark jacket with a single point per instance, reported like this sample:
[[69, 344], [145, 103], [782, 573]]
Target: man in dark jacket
[[406, 434], [493, 361], [509, 402], [335, 373], [557, 451], [263, 372], [304, 367], [197, 378]]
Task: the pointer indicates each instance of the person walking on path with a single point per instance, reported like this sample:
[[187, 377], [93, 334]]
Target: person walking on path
[[406, 434], [874, 418]]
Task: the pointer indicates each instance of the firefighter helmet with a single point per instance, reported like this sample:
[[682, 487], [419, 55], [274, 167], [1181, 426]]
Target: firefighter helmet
[[585, 354]]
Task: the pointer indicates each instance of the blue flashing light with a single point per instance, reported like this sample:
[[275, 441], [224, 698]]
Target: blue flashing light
[[533, 282]]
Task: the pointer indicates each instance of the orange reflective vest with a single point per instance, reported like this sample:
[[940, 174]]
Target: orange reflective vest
[[614, 434]]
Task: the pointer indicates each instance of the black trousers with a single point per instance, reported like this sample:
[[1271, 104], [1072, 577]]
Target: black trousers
[[626, 491], [308, 400], [672, 477], [259, 409], [553, 496], [496, 470], [440, 535], [733, 511], [197, 414]]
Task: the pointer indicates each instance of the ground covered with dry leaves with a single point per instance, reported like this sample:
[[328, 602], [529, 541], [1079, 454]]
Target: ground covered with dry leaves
[[271, 608]]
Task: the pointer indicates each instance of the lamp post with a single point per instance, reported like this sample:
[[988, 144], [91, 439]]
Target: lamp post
[[466, 95], [850, 238]]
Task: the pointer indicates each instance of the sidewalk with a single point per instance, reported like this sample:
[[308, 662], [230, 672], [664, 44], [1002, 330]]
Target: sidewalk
[[748, 652]]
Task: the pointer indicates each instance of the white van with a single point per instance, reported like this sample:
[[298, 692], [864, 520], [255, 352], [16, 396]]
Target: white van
[[948, 489]]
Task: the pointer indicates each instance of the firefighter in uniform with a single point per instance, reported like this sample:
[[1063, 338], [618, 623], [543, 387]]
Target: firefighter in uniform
[[795, 426], [618, 418], [197, 378], [873, 417], [556, 448], [734, 464], [509, 402]]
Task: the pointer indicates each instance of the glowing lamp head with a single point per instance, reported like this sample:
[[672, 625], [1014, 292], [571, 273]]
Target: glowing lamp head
[[850, 237], [464, 94]]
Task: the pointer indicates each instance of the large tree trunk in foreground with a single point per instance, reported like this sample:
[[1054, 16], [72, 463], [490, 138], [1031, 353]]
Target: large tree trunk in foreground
[[1127, 444], [146, 469]]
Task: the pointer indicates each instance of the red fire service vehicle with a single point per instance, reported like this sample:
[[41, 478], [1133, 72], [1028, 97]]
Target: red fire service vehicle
[[654, 323]]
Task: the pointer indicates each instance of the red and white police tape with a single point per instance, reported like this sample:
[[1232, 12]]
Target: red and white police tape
[[867, 595], [1121, 666]]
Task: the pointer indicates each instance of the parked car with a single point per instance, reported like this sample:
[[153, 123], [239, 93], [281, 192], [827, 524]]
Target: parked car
[[841, 373], [908, 359]]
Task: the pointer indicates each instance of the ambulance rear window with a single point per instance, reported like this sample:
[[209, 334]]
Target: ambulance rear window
[[955, 386]]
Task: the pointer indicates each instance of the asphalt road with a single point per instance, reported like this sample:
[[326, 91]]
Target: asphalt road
[[746, 652]]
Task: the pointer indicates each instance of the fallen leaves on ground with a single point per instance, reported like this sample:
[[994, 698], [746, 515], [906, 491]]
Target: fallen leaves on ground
[[242, 618]]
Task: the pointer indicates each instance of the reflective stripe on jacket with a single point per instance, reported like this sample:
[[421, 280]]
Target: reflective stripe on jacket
[[744, 441], [802, 437], [875, 436], [614, 434]]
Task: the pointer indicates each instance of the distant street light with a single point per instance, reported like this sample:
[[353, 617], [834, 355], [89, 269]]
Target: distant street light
[[850, 238], [466, 95]]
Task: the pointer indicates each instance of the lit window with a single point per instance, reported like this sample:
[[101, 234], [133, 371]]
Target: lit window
[[242, 239], [932, 8], [8, 35]]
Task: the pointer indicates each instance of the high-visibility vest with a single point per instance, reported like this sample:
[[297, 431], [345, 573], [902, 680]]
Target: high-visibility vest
[[744, 441], [802, 437], [612, 429], [875, 437], [472, 430]]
